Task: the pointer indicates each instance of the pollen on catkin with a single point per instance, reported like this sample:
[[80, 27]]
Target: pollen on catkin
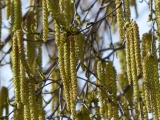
[[120, 20], [128, 57], [8, 9], [67, 71], [45, 20], [17, 15], [133, 65], [16, 70], [137, 48]]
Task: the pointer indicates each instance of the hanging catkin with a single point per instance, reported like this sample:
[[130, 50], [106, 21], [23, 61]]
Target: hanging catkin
[[73, 64], [67, 70], [45, 20], [8, 9], [17, 15], [137, 48], [120, 20], [100, 93], [16, 70], [127, 10]]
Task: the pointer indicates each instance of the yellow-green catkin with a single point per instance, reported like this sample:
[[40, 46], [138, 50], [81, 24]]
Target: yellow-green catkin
[[31, 53], [18, 114], [45, 20], [137, 48], [27, 115], [16, 70], [73, 67], [32, 99], [19, 35], [133, 68], [54, 9], [153, 78], [55, 75], [68, 10], [127, 10], [17, 15], [146, 83], [128, 58], [113, 80], [155, 95], [67, 70], [60, 43], [22, 83], [120, 20], [12, 15], [8, 9], [100, 92], [73, 76], [144, 107]]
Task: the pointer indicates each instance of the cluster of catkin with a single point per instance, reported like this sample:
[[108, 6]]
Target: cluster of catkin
[[140, 63], [70, 47], [27, 105], [106, 74]]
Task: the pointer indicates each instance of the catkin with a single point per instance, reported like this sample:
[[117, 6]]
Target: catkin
[[67, 71], [45, 20], [8, 9], [137, 48], [128, 58], [152, 78], [127, 10], [32, 100], [120, 20], [54, 9], [17, 15], [100, 93], [73, 76], [146, 83], [27, 115], [16, 70]]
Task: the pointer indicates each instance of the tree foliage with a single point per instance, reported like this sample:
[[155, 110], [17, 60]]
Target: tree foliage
[[79, 81]]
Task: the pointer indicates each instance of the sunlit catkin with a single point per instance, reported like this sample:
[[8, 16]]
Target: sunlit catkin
[[19, 35], [17, 15], [120, 20], [67, 70], [30, 50], [100, 93], [22, 83], [16, 70], [133, 66], [8, 9], [146, 82], [54, 9], [73, 76], [27, 115], [137, 48], [73, 67], [128, 58], [32, 99], [153, 78], [45, 20], [127, 10]]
